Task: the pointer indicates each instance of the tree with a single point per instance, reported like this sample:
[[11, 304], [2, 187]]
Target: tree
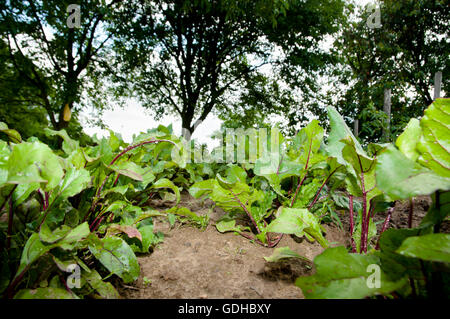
[[365, 64], [421, 38], [191, 57], [14, 99], [52, 58], [402, 55], [291, 90]]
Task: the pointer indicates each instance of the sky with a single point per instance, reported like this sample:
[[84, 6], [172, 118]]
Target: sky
[[133, 119]]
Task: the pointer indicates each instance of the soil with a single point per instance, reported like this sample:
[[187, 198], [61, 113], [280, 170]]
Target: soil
[[192, 263], [399, 218]]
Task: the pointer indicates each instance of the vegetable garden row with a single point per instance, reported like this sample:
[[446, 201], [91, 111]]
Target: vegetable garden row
[[83, 213]]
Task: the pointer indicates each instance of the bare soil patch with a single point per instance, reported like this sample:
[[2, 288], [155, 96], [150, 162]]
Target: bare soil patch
[[192, 263]]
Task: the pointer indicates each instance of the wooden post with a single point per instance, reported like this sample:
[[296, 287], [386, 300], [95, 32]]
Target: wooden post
[[437, 85], [387, 110], [355, 127]]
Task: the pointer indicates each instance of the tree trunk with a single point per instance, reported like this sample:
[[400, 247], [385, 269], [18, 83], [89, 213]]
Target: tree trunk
[[186, 129]]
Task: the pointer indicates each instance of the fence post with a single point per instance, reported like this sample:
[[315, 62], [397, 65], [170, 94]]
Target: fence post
[[355, 127], [387, 110], [437, 85]]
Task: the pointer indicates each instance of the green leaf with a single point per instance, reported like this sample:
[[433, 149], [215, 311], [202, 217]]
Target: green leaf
[[45, 293], [64, 265], [13, 135], [268, 164], [34, 162], [434, 144], [69, 145], [240, 196], [23, 191], [401, 178], [394, 264], [283, 253], [308, 141], [33, 249], [131, 231], [171, 218], [114, 141], [149, 238], [129, 169], [339, 131], [118, 190], [165, 183], [48, 236], [297, 221], [341, 275], [64, 236], [115, 206], [146, 215], [77, 234], [201, 188], [407, 141], [262, 208], [227, 225], [362, 171], [77, 158], [225, 184], [4, 155], [359, 160], [147, 178], [432, 247], [202, 221], [73, 183], [438, 211], [115, 254], [236, 173], [307, 193], [105, 289], [275, 168], [104, 152]]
